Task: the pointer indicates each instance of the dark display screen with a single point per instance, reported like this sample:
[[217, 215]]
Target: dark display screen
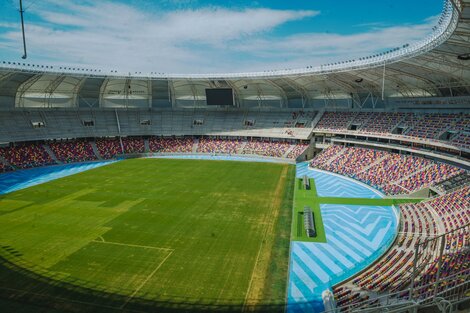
[[219, 96]]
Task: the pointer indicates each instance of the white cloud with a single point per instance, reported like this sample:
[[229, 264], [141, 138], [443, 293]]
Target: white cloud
[[320, 43], [210, 24], [108, 35]]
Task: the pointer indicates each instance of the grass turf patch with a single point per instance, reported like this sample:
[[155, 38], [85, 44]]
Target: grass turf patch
[[118, 268], [275, 282], [308, 198], [160, 229]]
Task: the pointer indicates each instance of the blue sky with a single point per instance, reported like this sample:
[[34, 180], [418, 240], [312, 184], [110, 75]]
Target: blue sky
[[201, 36]]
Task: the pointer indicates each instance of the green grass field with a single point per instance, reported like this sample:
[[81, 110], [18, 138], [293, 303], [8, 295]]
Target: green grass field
[[210, 232], [308, 198]]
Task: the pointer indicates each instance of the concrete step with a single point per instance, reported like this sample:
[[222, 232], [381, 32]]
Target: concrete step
[[195, 145], [95, 150], [146, 145], [51, 153]]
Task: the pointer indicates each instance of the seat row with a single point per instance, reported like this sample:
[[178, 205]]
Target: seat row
[[27, 155], [446, 218], [430, 126], [388, 172]]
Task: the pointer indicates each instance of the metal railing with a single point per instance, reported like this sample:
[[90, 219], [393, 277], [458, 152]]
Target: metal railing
[[440, 276]]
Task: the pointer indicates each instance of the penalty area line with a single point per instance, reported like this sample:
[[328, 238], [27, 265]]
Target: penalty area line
[[131, 245], [146, 280]]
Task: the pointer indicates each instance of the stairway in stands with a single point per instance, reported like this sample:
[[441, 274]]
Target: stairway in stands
[[95, 150], [288, 151], [317, 118], [5, 162], [51, 153], [146, 145], [195, 145], [336, 156], [373, 164], [241, 147], [397, 182]]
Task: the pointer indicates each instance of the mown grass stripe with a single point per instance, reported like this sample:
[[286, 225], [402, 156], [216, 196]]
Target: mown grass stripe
[[307, 198], [105, 227]]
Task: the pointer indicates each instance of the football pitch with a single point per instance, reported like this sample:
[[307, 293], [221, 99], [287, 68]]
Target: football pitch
[[211, 233]]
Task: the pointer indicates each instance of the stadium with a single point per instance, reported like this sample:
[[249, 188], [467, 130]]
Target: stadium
[[342, 187]]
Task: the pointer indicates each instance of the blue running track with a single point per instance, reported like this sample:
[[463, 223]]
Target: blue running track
[[356, 236], [17, 180], [334, 185]]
